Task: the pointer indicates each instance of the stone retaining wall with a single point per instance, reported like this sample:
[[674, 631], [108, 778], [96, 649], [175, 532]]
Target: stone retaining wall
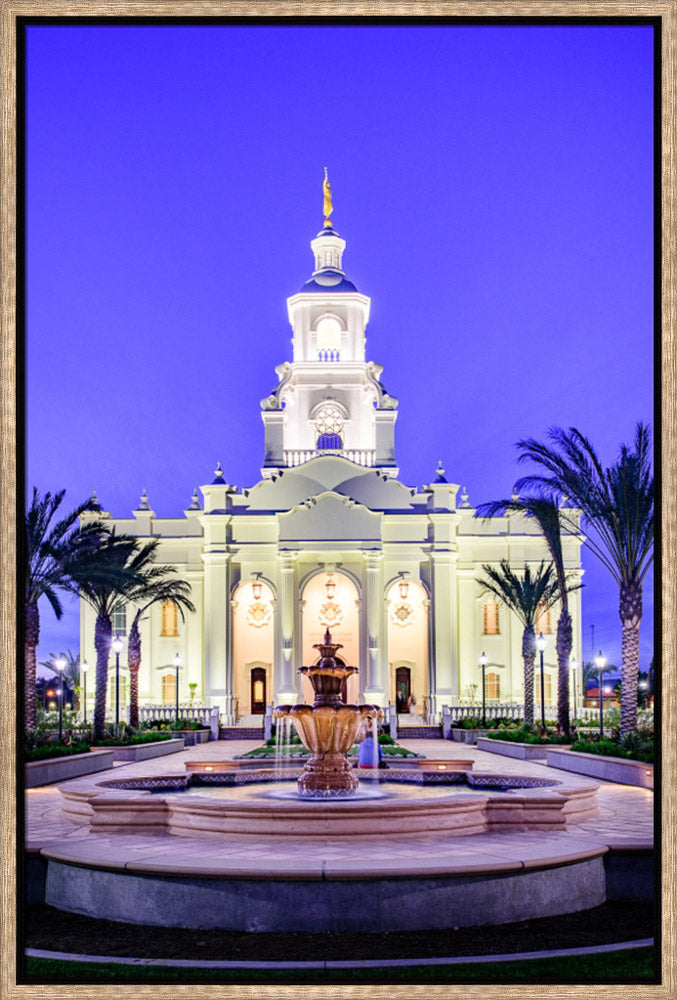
[[48, 772], [625, 772]]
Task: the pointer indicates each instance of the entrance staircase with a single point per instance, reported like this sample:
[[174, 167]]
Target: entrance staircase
[[248, 727], [412, 727]]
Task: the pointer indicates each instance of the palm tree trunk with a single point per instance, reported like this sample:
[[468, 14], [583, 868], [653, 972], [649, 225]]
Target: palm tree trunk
[[630, 610], [528, 655], [31, 637], [529, 689], [134, 662], [564, 644], [103, 637]]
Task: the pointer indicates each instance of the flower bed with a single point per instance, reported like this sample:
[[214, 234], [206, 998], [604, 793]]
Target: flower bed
[[54, 769], [594, 765]]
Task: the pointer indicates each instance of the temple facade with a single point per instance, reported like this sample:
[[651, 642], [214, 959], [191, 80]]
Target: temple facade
[[330, 538]]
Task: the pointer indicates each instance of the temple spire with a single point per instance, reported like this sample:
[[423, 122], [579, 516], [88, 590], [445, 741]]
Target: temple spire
[[328, 207]]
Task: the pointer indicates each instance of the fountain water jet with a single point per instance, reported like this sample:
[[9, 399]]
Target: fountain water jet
[[328, 728]]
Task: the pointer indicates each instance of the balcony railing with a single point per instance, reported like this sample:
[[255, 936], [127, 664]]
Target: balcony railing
[[361, 456]]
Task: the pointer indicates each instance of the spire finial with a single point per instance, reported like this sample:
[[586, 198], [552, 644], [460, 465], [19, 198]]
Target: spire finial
[[143, 502], [195, 501], [218, 475], [440, 473], [328, 207]]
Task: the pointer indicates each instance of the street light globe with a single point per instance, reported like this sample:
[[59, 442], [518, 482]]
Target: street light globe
[[541, 642], [574, 663], [60, 663], [483, 660], [84, 667], [600, 660], [117, 645], [177, 660]]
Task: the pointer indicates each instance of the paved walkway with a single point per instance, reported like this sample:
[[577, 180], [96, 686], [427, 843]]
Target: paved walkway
[[624, 819]]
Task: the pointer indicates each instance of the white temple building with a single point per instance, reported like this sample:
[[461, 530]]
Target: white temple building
[[330, 537]]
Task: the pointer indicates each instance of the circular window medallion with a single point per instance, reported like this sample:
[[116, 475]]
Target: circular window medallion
[[402, 613], [259, 614], [331, 614]]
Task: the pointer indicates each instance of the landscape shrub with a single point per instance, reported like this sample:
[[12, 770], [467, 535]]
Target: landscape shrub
[[53, 748], [636, 745], [526, 734]]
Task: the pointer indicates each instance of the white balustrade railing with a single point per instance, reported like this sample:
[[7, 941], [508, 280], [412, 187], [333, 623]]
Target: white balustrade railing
[[361, 456]]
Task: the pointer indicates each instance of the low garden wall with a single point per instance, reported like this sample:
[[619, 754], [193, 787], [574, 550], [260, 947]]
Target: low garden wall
[[48, 772], [466, 735], [144, 751], [625, 772], [521, 751]]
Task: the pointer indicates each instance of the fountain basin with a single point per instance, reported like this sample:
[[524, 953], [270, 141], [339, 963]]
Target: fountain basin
[[159, 805]]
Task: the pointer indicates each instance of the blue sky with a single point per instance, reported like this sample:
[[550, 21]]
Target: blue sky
[[494, 186]]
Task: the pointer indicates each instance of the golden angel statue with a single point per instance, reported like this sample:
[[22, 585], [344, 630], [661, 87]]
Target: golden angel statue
[[328, 207]]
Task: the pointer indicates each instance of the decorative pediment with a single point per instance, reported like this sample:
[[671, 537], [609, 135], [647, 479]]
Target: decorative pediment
[[330, 517]]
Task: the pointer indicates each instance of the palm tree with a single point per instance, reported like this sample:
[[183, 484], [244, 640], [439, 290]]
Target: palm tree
[[527, 596], [54, 552], [549, 519], [617, 506], [117, 556], [70, 673], [158, 584]]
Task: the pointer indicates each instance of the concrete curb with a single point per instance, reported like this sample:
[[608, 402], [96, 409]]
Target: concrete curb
[[371, 963]]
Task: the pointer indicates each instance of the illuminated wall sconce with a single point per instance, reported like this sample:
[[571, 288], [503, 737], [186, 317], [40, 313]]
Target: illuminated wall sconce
[[330, 587], [404, 589], [256, 589]]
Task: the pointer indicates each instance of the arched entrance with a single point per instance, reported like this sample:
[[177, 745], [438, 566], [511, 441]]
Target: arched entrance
[[402, 689], [407, 610], [330, 601], [257, 689], [253, 617]]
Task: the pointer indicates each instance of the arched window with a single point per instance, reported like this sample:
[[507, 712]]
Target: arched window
[[329, 422], [491, 622], [547, 688], [493, 687], [170, 618], [169, 689], [542, 623], [119, 619]]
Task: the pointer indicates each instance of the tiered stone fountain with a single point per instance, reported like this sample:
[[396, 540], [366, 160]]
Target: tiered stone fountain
[[328, 728]]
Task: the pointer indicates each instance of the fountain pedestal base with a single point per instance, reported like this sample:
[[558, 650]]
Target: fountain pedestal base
[[327, 775]]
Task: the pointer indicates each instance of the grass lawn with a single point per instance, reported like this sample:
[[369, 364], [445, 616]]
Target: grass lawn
[[634, 965]]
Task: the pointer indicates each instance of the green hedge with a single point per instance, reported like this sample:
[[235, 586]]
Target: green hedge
[[633, 746], [132, 741], [55, 749], [527, 735]]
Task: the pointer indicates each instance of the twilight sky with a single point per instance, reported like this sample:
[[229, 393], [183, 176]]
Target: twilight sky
[[494, 186]]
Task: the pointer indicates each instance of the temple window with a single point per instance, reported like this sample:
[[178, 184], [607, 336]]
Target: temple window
[[542, 623], [490, 617], [170, 618], [168, 689], [493, 687]]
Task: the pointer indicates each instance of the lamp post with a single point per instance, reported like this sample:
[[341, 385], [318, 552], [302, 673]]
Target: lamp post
[[84, 667], [574, 668], [117, 649], [600, 662], [541, 643], [483, 664], [60, 665], [643, 685], [177, 664]]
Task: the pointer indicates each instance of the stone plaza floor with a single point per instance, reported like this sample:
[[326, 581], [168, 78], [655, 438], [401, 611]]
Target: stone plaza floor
[[624, 820]]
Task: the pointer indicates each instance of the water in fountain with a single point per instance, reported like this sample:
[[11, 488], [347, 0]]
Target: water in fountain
[[328, 728]]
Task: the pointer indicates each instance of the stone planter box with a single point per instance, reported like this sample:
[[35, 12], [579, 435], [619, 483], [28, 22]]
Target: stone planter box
[[625, 772], [521, 751], [52, 770], [467, 735], [144, 751], [192, 736]]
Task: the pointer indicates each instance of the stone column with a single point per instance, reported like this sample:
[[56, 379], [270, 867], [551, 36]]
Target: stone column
[[285, 660], [373, 687], [218, 670], [444, 660]]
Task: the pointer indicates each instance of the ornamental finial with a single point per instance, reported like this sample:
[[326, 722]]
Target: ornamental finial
[[328, 207]]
